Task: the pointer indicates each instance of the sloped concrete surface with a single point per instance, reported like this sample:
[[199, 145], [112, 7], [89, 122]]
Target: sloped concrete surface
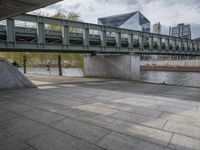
[[11, 78]]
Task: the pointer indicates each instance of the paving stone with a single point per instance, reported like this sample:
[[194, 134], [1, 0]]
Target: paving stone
[[85, 131], [183, 129], [6, 115], [113, 105], [97, 109], [145, 111], [3, 101], [115, 141], [8, 142], [67, 111], [53, 140], [15, 145], [43, 104], [136, 102], [43, 116], [30, 148], [193, 121], [178, 106], [22, 128], [133, 109], [5, 138], [155, 123], [95, 119], [178, 111], [135, 118], [16, 108], [102, 98], [180, 142], [145, 133]]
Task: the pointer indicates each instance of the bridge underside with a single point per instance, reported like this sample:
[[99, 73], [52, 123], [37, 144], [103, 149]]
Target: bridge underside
[[10, 8]]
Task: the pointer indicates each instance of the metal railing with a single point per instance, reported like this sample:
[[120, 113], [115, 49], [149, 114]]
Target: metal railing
[[88, 38]]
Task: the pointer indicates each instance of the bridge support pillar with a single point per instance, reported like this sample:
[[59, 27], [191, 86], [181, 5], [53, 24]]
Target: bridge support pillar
[[113, 66]]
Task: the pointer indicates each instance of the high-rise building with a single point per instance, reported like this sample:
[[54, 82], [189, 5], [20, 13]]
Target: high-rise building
[[157, 28], [182, 31], [132, 21]]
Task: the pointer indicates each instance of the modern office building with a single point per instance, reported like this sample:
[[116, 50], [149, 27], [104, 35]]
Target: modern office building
[[132, 21], [182, 31]]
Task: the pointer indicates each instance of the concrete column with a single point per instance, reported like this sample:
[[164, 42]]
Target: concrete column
[[113, 66]]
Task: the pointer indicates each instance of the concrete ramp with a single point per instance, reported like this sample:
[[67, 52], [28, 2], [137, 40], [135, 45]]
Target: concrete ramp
[[12, 78]]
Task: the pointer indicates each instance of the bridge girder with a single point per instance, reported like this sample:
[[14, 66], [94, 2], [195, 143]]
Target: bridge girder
[[93, 38]]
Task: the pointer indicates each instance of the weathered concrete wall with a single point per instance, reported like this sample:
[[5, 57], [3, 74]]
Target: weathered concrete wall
[[11, 78], [113, 66], [181, 63]]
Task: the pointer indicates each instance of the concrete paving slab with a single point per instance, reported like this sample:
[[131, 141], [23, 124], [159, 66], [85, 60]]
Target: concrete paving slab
[[95, 119], [135, 118], [15, 145], [183, 129], [3, 101], [42, 116], [137, 102], [115, 141], [30, 148], [97, 109], [6, 115], [8, 142], [16, 108], [186, 119], [66, 111], [145, 111], [178, 106], [54, 140], [136, 107], [22, 128], [178, 111], [145, 133], [180, 142], [132, 109], [82, 130]]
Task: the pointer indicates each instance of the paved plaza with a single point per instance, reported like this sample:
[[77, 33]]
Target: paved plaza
[[99, 114]]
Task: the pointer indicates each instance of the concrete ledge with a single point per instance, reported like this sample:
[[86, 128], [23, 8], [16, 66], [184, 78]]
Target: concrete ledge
[[12, 78]]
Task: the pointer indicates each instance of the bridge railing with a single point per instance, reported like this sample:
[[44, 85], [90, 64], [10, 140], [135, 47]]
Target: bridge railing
[[125, 41]]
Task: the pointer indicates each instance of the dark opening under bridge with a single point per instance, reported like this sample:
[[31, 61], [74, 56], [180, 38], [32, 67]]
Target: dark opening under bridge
[[80, 37]]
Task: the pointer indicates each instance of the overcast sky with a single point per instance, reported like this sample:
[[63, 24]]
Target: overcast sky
[[168, 12]]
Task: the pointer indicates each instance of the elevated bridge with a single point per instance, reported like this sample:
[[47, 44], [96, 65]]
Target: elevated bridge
[[80, 37]]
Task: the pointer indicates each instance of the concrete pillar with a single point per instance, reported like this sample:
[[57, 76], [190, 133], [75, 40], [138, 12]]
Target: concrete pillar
[[113, 66]]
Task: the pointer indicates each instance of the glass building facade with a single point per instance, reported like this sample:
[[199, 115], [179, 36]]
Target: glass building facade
[[182, 31], [132, 21]]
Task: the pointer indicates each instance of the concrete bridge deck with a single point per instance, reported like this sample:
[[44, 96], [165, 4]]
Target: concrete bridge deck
[[96, 114]]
